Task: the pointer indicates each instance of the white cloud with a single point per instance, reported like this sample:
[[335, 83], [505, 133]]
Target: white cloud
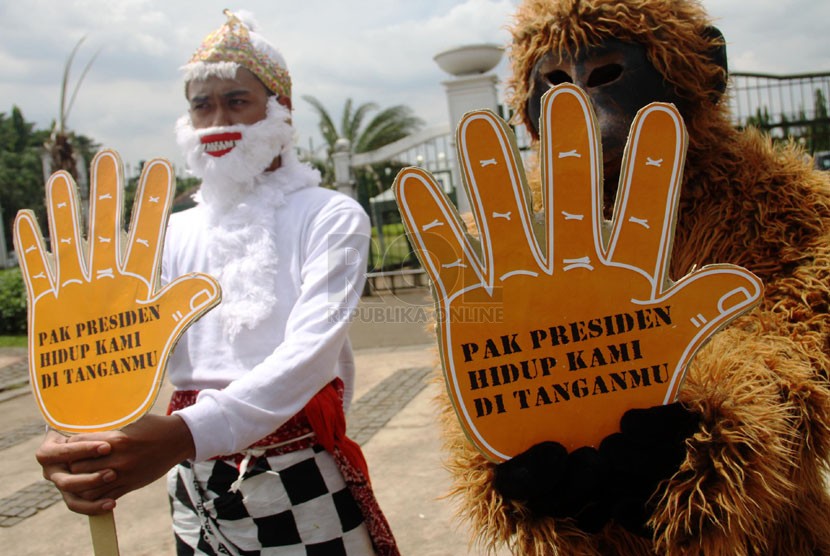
[[368, 50], [774, 36]]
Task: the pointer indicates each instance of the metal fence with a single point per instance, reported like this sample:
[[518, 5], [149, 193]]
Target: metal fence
[[432, 149], [787, 106]]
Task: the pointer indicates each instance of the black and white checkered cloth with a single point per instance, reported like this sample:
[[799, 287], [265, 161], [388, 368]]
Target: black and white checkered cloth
[[294, 504]]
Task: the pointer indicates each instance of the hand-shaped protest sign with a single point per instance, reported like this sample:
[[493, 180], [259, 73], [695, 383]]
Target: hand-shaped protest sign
[[551, 327], [100, 327]]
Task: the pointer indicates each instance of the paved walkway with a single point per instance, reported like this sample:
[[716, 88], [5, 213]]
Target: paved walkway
[[393, 418]]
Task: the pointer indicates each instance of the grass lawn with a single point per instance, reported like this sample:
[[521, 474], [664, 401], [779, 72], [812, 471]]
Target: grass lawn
[[396, 250], [12, 341]]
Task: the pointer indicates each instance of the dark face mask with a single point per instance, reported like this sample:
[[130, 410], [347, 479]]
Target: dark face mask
[[618, 78]]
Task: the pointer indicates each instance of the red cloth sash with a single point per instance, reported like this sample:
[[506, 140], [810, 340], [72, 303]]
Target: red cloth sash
[[325, 415]]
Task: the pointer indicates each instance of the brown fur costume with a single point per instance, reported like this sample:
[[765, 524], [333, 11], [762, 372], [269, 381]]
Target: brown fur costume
[[753, 479]]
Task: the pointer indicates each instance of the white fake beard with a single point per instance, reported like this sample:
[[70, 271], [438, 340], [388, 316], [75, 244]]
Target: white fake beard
[[243, 257], [240, 197], [228, 177]]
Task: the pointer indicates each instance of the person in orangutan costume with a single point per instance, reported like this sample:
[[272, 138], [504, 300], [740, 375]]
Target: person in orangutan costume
[[736, 466]]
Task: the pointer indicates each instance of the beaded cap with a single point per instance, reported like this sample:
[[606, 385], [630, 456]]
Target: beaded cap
[[238, 43]]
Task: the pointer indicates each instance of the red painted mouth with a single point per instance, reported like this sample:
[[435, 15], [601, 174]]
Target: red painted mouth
[[220, 144]]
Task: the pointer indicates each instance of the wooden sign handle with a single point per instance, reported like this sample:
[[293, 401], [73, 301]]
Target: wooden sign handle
[[104, 536]]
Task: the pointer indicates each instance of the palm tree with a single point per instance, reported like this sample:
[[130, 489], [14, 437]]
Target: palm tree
[[63, 148], [387, 126]]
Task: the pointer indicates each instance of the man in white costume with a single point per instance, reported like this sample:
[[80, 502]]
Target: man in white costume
[[255, 433]]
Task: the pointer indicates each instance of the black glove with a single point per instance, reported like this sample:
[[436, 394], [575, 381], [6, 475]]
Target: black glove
[[551, 482], [648, 449], [592, 486]]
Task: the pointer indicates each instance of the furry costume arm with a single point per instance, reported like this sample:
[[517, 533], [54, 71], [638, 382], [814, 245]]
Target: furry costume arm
[[759, 403], [754, 472]]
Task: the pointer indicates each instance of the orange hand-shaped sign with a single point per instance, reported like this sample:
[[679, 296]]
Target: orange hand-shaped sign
[[552, 326], [100, 327]]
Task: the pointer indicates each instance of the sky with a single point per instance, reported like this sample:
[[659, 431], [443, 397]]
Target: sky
[[368, 50]]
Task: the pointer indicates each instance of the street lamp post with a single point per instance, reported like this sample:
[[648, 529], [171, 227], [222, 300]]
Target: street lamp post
[[471, 87]]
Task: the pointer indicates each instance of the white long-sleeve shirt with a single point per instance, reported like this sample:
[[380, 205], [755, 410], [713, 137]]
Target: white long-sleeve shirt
[[252, 385]]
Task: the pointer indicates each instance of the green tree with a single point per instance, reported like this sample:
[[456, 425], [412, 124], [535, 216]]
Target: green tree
[[386, 126], [820, 130], [21, 172], [21, 166], [786, 133], [761, 119], [182, 198]]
